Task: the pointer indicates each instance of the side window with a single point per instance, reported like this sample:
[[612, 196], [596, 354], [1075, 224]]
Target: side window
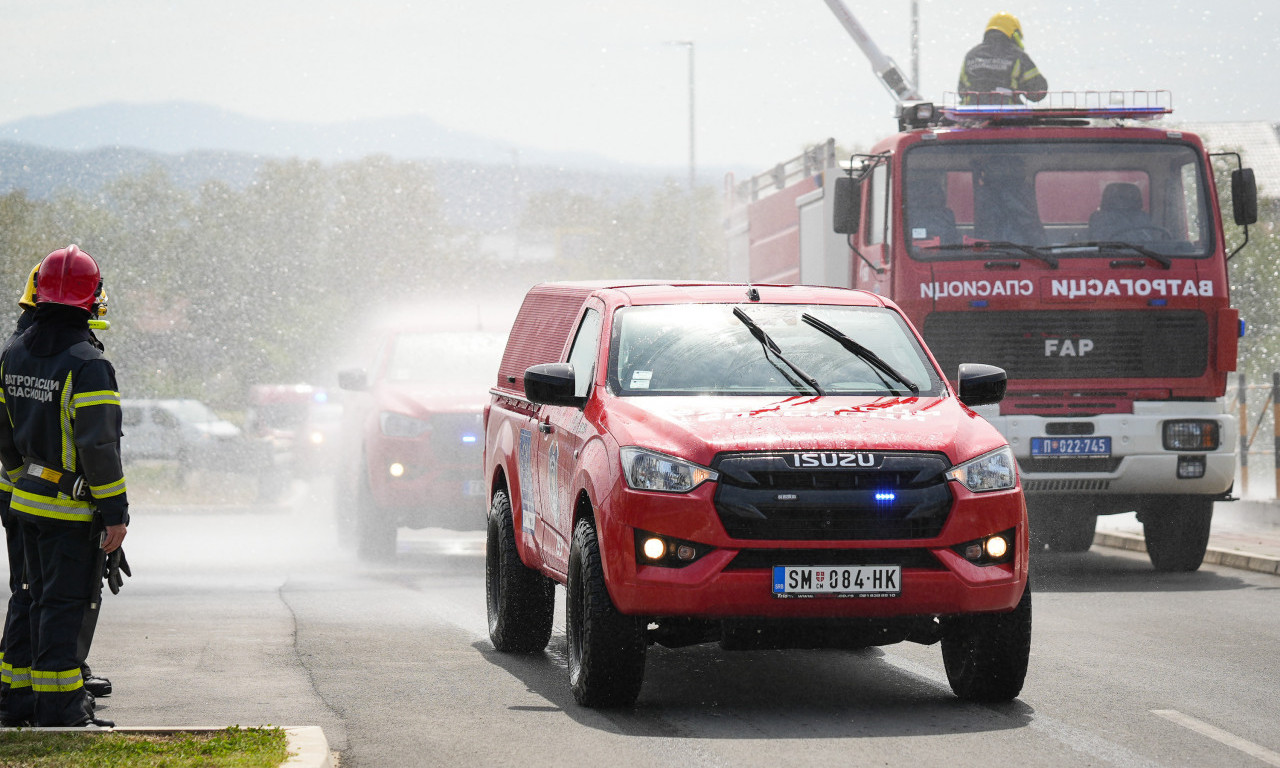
[[877, 205], [164, 419], [582, 355], [1191, 210], [130, 416]]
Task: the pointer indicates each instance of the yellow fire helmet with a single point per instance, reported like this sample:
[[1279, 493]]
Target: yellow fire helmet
[[1008, 24], [28, 298]]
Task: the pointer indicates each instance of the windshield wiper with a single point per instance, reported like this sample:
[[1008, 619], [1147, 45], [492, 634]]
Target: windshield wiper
[[771, 346], [1000, 246], [871, 357], [1116, 245]]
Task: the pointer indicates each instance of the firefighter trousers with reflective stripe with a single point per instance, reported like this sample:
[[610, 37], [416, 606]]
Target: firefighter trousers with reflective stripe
[[60, 560], [17, 700]]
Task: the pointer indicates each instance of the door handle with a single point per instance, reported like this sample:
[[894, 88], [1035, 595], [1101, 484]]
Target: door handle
[[544, 427]]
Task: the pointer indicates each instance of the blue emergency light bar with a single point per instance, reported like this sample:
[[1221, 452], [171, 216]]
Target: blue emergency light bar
[[1107, 105]]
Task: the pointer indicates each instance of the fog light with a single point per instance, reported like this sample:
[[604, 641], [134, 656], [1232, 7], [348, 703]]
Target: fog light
[[997, 547], [1191, 467], [973, 552], [686, 552], [396, 469], [654, 548]]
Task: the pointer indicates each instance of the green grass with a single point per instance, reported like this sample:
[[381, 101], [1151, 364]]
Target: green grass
[[232, 748]]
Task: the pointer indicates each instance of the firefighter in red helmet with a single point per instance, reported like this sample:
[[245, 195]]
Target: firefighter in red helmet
[[60, 446]]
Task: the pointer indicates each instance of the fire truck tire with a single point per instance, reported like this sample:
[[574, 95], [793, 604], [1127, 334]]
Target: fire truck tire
[[375, 530], [606, 648], [986, 655], [1177, 533], [521, 601]]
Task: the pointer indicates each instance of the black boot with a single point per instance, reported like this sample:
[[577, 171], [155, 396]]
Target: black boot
[[98, 686]]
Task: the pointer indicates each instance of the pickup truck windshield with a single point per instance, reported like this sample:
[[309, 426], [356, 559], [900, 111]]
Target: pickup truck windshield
[[1049, 201], [704, 349]]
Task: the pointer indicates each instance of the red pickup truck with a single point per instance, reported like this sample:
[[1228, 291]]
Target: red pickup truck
[[755, 465]]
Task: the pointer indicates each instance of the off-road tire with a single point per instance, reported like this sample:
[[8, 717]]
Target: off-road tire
[[986, 654], [1177, 533], [521, 601], [606, 648], [375, 531]]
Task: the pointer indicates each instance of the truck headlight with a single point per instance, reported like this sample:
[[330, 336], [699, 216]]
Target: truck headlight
[[647, 470], [994, 471], [1191, 435], [399, 425]]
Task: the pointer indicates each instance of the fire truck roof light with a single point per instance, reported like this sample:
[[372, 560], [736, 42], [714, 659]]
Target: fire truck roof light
[[1115, 105]]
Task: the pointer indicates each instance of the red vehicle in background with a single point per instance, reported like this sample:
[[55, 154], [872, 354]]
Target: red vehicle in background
[[299, 422], [412, 438]]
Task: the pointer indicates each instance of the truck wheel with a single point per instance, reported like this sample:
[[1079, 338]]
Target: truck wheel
[[375, 531], [1178, 533], [986, 654], [521, 601], [606, 648]]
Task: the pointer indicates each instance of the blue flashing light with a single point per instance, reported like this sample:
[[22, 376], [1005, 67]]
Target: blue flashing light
[[468, 438], [1242, 327], [885, 497], [1159, 302], [978, 303]]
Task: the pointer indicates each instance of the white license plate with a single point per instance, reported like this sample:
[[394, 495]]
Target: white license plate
[[837, 581]]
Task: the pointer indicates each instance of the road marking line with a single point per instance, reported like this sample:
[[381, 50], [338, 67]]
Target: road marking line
[[1219, 735]]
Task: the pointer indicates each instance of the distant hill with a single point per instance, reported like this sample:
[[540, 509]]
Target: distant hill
[[84, 149], [180, 127]]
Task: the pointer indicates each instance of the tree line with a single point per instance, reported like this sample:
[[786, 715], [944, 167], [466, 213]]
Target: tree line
[[215, 288]]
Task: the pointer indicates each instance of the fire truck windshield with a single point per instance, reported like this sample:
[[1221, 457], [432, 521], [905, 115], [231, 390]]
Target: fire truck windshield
[[1056, 199]]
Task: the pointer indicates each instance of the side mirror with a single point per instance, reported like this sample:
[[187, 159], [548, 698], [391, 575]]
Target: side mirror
[[552, 384], [846, 208], [981, 384], [353, 380], [1244, 196]]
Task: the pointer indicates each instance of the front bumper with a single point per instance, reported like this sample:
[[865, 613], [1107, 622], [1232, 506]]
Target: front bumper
[[936, 580]]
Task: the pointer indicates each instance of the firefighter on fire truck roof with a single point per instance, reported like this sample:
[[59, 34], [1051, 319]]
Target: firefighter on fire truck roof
[[998, 70]]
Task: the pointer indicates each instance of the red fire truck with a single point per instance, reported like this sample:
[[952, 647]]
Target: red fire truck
[[1079, 246]]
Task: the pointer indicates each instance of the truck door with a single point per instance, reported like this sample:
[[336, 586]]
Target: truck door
[[872, 273], [562, 432]]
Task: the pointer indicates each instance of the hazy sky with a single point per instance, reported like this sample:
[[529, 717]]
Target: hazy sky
[[772, 76]]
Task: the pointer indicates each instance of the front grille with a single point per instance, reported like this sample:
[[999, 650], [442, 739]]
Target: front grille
[[457, 438], [894, 496], [1044, 486], [1077, 464], [751, 559], [1074, 344]]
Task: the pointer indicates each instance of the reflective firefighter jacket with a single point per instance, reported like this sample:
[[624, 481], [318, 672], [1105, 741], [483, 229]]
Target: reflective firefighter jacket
[[60, 433], [997, 64]]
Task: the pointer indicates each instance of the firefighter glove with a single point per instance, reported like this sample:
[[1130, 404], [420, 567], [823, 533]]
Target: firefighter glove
[[116, 564]]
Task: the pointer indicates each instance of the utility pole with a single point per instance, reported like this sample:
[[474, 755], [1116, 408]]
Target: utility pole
[[692, 165], [915, 44]]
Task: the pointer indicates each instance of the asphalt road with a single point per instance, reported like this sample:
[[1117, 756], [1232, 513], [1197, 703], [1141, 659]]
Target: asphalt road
[[255, 616]]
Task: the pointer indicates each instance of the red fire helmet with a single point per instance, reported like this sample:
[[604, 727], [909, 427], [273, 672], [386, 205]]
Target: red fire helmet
[[69, 276]]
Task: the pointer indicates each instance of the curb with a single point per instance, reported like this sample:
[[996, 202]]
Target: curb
[[1213, 555], [307, 742]]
